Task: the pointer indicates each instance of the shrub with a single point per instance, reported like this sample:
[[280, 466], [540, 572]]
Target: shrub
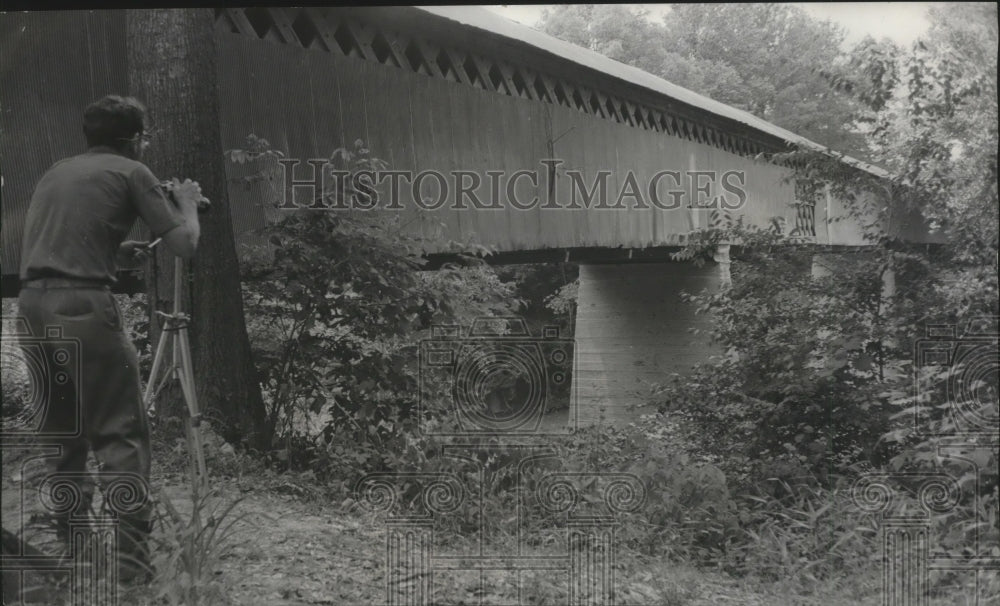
[[336, 307]]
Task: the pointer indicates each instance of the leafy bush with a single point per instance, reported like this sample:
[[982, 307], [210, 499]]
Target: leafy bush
[[806, 358], [336, 308], [804, 538], [189, 547]]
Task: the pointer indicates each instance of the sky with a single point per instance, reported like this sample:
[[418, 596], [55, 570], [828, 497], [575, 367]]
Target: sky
[[902, 22]]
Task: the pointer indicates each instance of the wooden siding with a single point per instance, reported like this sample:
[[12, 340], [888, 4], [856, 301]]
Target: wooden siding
[[308, 103], [308, 100], [51, 66]]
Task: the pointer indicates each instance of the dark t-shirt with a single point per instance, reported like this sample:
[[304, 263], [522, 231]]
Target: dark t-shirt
[[81, 211]]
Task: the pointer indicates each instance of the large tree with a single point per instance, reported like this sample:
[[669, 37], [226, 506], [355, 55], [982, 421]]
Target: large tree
[[766, 59], [172, 68]]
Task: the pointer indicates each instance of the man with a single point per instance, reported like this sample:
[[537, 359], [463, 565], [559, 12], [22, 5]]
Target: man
[[80, 212]]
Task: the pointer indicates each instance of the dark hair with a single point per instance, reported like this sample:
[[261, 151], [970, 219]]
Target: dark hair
[[113, 120]]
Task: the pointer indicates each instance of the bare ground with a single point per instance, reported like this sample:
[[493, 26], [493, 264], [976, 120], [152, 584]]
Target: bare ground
[[296, 549], [293, 547]]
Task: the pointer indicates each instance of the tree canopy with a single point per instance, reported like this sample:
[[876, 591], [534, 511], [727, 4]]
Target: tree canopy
[[762, 58]]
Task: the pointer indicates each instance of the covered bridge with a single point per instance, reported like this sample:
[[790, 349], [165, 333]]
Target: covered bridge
[[572, 156]]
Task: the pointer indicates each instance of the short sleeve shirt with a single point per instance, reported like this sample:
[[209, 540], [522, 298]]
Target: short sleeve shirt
[[81, 210]]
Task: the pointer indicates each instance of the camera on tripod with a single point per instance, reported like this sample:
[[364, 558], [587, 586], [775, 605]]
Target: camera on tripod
[[204, 204]]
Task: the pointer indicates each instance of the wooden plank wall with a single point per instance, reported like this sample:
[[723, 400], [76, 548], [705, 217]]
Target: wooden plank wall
[[632, 332], [308, 103], [591, 145], [52, 65]]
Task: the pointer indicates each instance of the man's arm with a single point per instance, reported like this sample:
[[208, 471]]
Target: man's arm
[[183, 239], [171, 211], [131, 254]]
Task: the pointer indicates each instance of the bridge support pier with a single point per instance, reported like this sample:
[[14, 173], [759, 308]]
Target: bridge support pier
[[632, 331]]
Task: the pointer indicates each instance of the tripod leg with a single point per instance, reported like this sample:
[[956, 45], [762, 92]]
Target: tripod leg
[[185, 373], [161, 348], [187, 380], [163, 381]]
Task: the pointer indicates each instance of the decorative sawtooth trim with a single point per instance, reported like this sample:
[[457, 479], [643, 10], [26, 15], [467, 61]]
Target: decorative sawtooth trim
[[261, 24], [561, 98], [429, 56], [311, 26], [625, 113], [666, 124], [655, 118], [232, 21], [507, 72], [325, 30], [471, 68], [639, 116], [283, 25], [579, 102], [543, 88], [445, 63], [367, 39], [566, 89], [612, 109], [415, 58], [458, 65], [344, 37], [387, 50]]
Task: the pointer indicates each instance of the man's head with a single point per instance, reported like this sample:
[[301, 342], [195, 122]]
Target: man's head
[[116, 122]]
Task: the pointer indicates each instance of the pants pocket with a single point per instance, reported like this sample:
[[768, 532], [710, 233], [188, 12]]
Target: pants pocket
[[112, 313], [68, 303]]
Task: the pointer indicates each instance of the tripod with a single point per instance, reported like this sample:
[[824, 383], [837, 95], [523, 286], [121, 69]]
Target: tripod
[[175, 330]]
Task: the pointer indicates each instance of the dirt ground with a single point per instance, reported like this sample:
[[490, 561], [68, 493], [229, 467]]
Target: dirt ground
[[292, 547]]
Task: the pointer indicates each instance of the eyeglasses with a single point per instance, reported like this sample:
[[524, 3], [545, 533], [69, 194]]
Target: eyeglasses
[[142, 139]]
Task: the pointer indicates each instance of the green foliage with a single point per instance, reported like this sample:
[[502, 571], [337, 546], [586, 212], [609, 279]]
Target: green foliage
[[135, 316], [746, 464], [539, 288], [337, 307], [819, 376], [804, 356], [15, 379], [933, 116], [761, 58], [620, 32], [804, 537], [190, 547]]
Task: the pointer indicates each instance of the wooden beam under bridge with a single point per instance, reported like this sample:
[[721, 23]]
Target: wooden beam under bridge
[[655, 254]]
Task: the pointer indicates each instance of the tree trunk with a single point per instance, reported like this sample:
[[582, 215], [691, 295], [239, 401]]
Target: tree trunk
[[172, 69]]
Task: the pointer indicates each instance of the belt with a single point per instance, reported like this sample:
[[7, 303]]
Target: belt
[[66, 283]]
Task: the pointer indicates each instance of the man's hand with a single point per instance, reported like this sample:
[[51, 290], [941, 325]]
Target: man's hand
[[187, 194], [183, 239], [132, 254]]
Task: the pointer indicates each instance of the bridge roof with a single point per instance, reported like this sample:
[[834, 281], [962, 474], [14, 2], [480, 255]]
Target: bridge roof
[[480, 18]]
